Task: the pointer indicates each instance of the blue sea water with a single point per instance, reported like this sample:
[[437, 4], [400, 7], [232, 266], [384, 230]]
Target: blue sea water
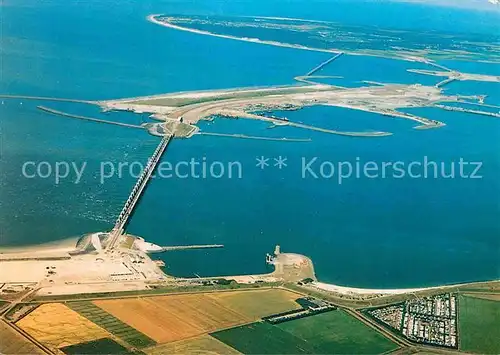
[[363, 232]]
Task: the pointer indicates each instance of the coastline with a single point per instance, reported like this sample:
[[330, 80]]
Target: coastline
[[288, 268], [347, 290], [410, 57], [152, 18]]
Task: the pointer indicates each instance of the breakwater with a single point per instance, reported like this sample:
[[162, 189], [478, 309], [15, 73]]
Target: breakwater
[[243, 136], [65, 114]]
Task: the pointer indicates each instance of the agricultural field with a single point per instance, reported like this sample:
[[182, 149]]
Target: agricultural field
[[256, 304], [263, 338], [337, 332], [56, 326], [96, 347], [334, 332], [479, 325], [171, 318], [484, 296], [202, 344], [113, 325], [14, 343]]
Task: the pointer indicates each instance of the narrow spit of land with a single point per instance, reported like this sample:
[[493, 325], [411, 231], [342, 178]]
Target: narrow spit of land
[[167, 21]]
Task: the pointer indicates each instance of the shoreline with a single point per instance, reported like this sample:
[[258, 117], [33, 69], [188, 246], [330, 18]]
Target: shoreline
[[348, 290], [279, 274], [152, 18], [410, 57]]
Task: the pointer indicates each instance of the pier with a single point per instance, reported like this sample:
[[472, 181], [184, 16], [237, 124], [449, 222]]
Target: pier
[[185, 247], [136, 193], [64, 114], [324, 64]]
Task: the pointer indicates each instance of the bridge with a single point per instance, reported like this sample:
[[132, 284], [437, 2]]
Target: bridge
[[434, 64], [324, 64], [445, 82], [135, 195]]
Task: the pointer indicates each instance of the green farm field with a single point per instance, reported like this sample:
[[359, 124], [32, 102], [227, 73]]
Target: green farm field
[[479, 325], [96, 347], [334, 332], [337, 332], [263, 338]]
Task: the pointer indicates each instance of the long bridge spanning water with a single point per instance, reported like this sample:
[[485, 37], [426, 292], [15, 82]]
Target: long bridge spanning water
[[445, 82], [136, 193], [324, 64]]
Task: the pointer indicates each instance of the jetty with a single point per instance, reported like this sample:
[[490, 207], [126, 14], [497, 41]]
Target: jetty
[[482, 104], [341, 133], [370, 82], [136, 194], [461, 109], [65, 114], [185, 247]]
